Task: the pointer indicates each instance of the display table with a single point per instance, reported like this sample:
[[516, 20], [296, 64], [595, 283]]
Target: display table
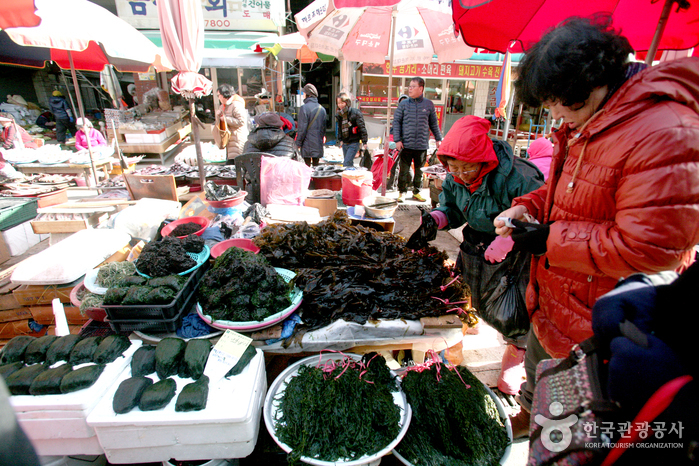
[[159, 152], [105, 165]]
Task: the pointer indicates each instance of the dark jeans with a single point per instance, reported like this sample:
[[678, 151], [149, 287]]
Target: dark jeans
[[312, 161], [61, 126], [535, 353], [349, 150], [407, 157]]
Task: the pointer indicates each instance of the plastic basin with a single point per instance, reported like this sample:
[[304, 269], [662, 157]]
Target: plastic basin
[[232, 202], [203, 222], [241, 243]]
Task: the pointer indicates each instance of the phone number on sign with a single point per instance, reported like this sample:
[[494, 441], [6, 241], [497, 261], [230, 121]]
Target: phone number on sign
[[217, 23]]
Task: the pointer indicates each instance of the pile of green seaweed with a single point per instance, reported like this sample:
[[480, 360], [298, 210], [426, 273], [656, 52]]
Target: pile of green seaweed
[[169, 255], [137, 290], [455, 420], [355, 273], [243, 287], [343, 409]]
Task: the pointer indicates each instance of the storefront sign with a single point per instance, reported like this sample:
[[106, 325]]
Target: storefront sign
[[435, 70], [228, 15]]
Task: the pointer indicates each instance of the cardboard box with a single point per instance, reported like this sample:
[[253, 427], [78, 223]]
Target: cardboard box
[[44, 315], [325, 206], [10, 315], [31, 295]]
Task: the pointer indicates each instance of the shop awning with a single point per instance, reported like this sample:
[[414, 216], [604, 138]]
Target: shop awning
[[227, 48]]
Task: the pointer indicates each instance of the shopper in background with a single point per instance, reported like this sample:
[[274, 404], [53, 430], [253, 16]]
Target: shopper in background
[[269, 137], [233, 110], [13, 136], [63, 115], [311, 124], [539, 153], [414, 119], [623, 191], [85, 132], [349, 129]]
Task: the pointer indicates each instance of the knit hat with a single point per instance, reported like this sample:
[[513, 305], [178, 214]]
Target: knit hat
[[269, 119], [57, 94], [310, 90], [80, 123], [541, 147]]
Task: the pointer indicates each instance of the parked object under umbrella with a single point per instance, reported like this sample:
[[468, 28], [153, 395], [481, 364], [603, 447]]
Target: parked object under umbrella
[[182, 32]]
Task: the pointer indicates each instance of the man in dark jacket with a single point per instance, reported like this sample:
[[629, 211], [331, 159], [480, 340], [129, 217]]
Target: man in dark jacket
[[311, 127], [414, 119], [269, 137], [64, 116]]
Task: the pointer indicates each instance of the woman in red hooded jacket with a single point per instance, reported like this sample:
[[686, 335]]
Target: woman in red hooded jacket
[[623, 192]]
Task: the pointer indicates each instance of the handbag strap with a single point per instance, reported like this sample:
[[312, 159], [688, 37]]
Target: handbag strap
[[315, 116], [223, 117]]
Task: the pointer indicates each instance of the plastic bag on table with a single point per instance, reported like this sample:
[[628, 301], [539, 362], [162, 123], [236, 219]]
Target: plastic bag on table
[[498, 290], [366, 159], [283, 181], [256, 212]]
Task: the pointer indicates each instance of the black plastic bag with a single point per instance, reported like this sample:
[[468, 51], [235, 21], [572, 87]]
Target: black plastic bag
[[498, 290], [424, 234], [366, 162]]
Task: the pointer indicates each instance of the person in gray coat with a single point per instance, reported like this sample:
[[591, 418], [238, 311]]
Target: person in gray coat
[[414, 119], [311, 127]]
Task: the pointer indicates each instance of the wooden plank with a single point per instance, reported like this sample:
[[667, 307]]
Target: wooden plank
[[152, 186], [449, 321]]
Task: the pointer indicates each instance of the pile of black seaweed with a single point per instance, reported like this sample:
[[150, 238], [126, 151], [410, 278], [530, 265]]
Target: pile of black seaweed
[[355, 273], [185, 229], [455, 421], [243, 287], [169, 255], [340, 410]]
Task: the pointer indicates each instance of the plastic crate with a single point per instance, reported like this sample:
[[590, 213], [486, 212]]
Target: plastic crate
[[14, 211], [155, 325], [161, 312]]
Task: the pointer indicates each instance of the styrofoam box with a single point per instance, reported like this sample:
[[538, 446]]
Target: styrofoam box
[[57, 424], [227, 428], [20, 238]]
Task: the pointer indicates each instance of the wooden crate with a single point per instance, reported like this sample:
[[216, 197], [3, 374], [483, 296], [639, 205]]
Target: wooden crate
[[68, 226]]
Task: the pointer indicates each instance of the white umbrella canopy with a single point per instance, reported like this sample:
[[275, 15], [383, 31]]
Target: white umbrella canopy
[[182, 31]]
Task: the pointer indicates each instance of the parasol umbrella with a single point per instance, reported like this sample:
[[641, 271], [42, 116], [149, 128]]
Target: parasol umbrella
[[407, 31], [19, 13], [78, 34], [182, 30], [648, 24]]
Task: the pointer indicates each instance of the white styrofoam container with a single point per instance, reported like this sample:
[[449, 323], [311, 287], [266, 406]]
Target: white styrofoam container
[[57, 424], [20, 238], [227, 428]]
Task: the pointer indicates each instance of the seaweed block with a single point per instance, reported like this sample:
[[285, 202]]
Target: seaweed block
[[193, 396], [194, 360], [7, 369], [129, 394], [243, 362], [168, 356], [111, 348], [115, 296], [158, 395], [143, 361], [193, 243], [132, 280], [49, 381], [19, 382], [14, 349], [61, 348], [36, 351], [83, 377], [161, 295], [84, 350], [136, 295], [176, 282]]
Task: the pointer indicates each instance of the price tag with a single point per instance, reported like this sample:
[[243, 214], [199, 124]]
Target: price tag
[[225, 355]]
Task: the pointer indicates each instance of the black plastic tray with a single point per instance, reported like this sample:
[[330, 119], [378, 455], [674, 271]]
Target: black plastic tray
[[159, 311]]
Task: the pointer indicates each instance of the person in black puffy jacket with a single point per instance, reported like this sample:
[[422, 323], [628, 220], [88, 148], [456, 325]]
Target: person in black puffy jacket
[[269, 137], [349, 129]]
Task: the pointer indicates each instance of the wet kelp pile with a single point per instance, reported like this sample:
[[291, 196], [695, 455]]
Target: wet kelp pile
[[455, 421], [355, 273], [339, 410]]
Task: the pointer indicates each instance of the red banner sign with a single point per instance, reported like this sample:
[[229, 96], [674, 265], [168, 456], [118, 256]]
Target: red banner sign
[[435, 70]]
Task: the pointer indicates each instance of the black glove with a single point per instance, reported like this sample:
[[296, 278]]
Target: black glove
[[423, 235], [530, 237]]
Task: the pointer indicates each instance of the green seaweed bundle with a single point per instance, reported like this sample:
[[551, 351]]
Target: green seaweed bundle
[[158, 395], [111, 348], [143, 361], [132, 280], [19, 382], [14, 349], [336, 415], [168, 356], [455, 421], [36, 351], [49, 381], [161, 295], [84, 350], [174, 282], [194, 359], [81, 378], [193, 396], [136, 295], [115, 296], [60, 349], [128, 394], [243, 362], [7, 369]]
